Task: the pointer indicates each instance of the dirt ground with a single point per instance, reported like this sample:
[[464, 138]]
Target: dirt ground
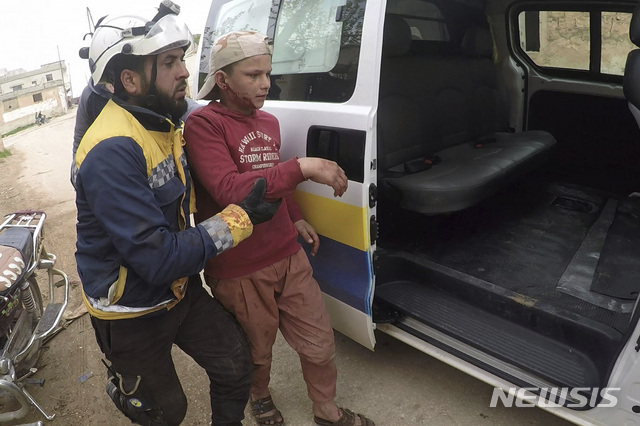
[[395, 385]]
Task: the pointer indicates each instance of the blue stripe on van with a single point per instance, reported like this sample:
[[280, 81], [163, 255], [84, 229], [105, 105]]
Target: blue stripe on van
[[343, 272]]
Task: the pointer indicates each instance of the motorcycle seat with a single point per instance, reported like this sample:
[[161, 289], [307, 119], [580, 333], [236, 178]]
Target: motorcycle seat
[[12, 268], [16, 248]]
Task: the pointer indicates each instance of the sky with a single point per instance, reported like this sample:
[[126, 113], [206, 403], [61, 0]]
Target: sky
[[35, 32]]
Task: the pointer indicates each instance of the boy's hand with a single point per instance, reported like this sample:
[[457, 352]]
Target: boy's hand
[[308, 233], [324, 171], [255, 206]]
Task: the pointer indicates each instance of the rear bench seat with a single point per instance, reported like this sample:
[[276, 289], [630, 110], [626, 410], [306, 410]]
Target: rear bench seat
[[448, 110]]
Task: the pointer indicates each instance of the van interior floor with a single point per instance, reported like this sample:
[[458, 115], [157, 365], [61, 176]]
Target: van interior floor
[[554, 258]]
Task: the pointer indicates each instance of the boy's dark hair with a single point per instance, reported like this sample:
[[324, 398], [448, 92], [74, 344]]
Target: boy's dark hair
[[118, 64], [229, 68]]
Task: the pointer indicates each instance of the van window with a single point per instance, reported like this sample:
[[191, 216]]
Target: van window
[[615, 42], [327, 70], [556, 39], [232, 15], [316, 43], [307, 36], [563, 40]]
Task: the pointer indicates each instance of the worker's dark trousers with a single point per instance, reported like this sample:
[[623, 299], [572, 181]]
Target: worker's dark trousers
[[202, 328]]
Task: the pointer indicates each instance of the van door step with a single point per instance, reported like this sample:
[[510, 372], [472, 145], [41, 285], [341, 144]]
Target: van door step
[[495, 336]]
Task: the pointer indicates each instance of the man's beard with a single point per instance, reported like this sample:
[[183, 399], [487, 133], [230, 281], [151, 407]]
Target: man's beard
[[163, 104]]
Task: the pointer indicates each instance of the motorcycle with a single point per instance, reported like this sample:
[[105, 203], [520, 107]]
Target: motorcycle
[[25, 322], [41, 119]]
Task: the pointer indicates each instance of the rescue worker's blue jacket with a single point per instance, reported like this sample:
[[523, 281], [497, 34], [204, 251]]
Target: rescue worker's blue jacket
[[135, 247]]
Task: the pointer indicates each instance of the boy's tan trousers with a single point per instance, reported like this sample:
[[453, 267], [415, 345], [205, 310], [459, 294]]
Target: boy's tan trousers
[[286, 296]]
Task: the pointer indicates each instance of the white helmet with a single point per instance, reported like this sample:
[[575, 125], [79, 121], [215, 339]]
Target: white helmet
[[133, 35]]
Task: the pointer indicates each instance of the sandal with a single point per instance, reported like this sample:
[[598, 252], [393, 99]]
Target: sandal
[[261, 406], [348, 418]]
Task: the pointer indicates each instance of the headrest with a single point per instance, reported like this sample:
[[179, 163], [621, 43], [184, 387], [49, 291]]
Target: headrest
[[477, 42], [634, 26], [397, 36], [632, 78]]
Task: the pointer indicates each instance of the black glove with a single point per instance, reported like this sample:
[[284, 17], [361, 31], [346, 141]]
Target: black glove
[[254, 205]]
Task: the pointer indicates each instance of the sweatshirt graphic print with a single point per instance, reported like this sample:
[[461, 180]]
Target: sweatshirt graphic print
[[227, 152]]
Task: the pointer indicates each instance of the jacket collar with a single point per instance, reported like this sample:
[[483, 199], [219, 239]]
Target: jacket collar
[[149, 119]]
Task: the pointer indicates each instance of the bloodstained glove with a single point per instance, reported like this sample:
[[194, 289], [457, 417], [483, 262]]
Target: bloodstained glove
[[254, 205]]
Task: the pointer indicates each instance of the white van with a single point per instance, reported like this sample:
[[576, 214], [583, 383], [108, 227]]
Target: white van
[[490, 220]]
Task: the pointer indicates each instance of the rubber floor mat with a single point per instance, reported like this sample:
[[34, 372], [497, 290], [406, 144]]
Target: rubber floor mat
[[522, 239], [618, 271]]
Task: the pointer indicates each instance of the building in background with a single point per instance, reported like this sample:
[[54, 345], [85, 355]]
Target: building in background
[[24, 94]]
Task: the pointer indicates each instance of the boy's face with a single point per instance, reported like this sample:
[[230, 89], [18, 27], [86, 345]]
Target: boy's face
[[247, 84]]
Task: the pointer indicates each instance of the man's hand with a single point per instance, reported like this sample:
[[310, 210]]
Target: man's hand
[[324, 171], [255, 206], [308, 233]]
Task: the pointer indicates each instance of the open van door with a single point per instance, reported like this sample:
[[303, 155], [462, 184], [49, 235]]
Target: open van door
[[520, 273], [324, 93]]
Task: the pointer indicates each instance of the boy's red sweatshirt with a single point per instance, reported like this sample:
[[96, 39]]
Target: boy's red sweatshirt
[[227, 152]]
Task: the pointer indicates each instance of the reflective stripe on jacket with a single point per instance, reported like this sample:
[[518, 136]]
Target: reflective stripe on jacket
[[135, 248]]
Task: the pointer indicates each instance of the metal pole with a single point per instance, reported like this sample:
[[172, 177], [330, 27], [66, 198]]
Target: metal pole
[[64, 87]]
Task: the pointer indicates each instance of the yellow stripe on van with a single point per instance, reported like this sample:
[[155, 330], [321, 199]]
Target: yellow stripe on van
[[333, 219]]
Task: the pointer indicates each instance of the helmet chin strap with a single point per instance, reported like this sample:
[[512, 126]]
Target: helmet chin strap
[[151, 97]]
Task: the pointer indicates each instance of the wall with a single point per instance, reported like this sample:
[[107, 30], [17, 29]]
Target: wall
[[19, 107], [27, 79]]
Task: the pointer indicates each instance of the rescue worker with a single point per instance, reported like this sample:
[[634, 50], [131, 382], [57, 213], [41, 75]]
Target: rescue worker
[[138, 256]]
